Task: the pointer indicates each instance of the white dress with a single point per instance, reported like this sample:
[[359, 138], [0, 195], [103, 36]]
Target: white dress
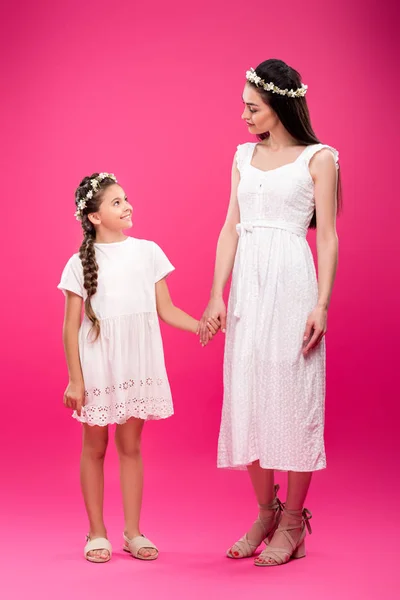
[[274, 397], [123, 370]]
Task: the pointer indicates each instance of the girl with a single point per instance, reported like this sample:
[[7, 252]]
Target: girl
[[115, 356], [274, 368]]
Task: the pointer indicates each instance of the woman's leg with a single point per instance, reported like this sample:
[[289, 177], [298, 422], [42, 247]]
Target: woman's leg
[[298, 485], [263, 485]]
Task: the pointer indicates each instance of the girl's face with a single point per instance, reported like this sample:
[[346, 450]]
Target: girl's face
[[115, 212], [259, 117]]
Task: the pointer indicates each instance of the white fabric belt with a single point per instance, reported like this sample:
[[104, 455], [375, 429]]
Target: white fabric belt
[[249, 226], [244, 229]]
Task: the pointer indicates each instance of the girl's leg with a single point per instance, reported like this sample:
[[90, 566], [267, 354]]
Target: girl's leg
[[263, 485], [95, 440], [127, 439], [298, 485]]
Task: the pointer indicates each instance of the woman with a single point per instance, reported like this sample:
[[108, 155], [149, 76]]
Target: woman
[[274, 366]]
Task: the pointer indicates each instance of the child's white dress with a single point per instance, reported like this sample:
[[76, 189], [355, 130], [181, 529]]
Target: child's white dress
[[123, 370]]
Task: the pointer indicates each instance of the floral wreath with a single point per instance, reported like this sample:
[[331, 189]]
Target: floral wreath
[[271, 87], [95, 184]]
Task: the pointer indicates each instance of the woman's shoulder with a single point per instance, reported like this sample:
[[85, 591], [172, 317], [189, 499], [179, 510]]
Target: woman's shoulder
[[322, 151], [243, 155], [246, 146]]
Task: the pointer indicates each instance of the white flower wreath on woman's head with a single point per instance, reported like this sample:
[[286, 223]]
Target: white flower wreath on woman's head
[[252, 77], [95, 184]]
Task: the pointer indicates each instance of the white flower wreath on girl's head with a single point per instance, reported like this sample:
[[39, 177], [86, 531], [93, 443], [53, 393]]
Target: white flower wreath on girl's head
[[252, 77], [95, 184]]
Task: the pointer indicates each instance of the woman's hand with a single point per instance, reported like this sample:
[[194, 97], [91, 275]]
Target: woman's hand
[[74, 396], [215, 311], [213, 326], [315, 329]]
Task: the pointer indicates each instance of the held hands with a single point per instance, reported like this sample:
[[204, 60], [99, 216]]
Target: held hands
[[74, 396], [213, 319], [315, 329], [212, 327]]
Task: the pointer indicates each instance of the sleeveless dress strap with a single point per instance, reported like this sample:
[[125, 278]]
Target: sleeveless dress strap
[[244, 153], [312, 151]]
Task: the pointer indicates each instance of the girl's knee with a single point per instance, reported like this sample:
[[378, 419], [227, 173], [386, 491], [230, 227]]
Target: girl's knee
[[128, 438], [128, 448], [95, 442], [95, 452]]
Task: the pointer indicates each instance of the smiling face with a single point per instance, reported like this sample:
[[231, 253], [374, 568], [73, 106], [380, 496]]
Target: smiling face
[[115, 212], [259, 117]]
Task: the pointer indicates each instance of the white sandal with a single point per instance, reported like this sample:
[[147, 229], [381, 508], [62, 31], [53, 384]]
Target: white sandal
[[97, 544], [134, 545]]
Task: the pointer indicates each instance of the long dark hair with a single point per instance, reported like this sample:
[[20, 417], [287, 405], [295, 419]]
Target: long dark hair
[[87, 251], [292, 112]]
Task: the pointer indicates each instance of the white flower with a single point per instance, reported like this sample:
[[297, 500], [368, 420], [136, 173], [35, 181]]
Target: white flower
[[77, 216], [107, 176], [89, 195], [94, 183], [271, 87], [81, 204]]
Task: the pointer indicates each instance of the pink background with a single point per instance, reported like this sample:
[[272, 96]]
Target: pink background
[[152, 92]]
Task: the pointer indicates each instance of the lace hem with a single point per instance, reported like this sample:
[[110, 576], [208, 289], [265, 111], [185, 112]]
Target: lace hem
[[125, 385], [119, 412]]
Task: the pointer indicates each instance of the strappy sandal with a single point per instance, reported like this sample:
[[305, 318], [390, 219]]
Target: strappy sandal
[[134, 545], [99, 544], [281, 556], [266, 528]]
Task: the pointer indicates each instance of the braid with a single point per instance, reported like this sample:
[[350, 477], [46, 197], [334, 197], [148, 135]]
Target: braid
[[90, 269], [87, 254]]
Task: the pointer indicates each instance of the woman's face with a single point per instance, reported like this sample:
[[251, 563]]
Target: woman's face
[[259, 117]]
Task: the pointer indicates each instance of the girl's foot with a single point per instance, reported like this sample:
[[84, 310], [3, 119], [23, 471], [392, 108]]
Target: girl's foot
[[263, 528], [97, 549], [140, 547]]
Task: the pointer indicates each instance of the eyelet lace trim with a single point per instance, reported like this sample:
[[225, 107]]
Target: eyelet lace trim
[[140, 405]]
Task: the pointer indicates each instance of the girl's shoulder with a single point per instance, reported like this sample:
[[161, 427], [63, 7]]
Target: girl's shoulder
[[143, 245], [74, 262]]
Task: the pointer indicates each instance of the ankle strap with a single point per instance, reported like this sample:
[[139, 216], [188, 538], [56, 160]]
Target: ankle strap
[[303, 515]]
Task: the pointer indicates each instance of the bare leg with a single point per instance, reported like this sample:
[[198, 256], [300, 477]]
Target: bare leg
[[127, 439], [263, 485], [95, 440], [262, 481], [298, 485]]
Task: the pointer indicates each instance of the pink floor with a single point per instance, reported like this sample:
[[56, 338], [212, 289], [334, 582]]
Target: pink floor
[[194, 512]]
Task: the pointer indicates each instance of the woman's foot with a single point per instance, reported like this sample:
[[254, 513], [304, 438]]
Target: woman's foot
[[262, 529], [289, 539]]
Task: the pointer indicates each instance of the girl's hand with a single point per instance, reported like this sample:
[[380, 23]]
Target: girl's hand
[[74, 396], [315, 329], [215, 311]]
